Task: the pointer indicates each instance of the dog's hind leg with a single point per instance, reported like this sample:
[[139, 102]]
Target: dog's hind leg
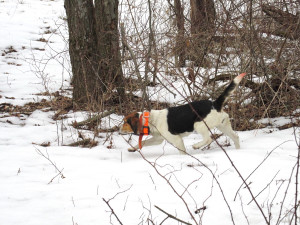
[[225, 128]]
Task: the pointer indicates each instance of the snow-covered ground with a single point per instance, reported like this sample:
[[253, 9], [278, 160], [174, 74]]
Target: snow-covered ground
[[59, 184]]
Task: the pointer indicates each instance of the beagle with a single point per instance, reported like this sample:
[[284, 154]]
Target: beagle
[[173, 123]]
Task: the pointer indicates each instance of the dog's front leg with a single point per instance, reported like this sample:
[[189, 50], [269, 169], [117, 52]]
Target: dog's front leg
[[155, 140], [176, 141]]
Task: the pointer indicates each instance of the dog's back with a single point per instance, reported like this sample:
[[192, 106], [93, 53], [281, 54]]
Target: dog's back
[[182, 118]]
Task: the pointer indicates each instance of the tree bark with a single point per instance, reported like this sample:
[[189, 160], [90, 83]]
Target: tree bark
[[203, 15], [106, 15], [180, 48], [94, 50], [83, 54]]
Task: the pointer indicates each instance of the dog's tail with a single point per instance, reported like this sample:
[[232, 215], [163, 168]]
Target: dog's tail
[[219, 102]]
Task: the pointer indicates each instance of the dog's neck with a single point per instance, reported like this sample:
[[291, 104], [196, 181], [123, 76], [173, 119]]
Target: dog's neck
[[144, 123], [144, 128]]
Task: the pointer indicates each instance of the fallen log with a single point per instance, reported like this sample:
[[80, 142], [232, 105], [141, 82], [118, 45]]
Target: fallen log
[[287, 25], [93, 121]]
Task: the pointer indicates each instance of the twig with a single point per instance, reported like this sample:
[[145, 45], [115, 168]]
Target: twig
[[60, 173], [52, 163], [297, 181], [259, 166], [133, 57], [180, 196], [200, 209], [112, 210], [169, 183], [171, 216], [242, 207], [279, 219], [264, 187], [136, 67]]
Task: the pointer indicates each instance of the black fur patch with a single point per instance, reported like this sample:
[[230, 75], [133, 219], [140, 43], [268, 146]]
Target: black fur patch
[[218, 104], [182, 118]]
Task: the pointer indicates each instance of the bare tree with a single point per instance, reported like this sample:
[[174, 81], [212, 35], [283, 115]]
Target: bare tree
[[94, 50], [180, 48], [203, 15]]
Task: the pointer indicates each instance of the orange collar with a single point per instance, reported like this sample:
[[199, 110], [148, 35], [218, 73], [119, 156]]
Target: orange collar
[[143, 128]]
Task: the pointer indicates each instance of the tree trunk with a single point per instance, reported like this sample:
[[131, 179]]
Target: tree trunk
[[203, 16], [83, 54], [106, 15], [180, 39], [94, 50]]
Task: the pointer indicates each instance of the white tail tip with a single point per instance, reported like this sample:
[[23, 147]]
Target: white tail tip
[[239, 77]]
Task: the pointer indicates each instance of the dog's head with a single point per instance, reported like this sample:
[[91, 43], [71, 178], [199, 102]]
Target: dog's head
[[131, 124]]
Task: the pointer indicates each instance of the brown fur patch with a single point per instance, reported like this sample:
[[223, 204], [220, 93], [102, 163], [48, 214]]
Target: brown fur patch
[[131, 123], [126, 128]]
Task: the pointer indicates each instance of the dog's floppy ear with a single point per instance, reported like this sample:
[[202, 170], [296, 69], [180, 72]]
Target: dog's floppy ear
[[133, 120], [131, 123]]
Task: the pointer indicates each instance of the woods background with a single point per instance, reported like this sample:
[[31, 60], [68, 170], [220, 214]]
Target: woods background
[[199, 42]]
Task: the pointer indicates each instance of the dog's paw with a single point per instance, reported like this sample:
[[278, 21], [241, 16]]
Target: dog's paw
[[196, 146], [132, 149]]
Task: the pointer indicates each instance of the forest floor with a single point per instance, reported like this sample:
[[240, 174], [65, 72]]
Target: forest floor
[[44, 180]]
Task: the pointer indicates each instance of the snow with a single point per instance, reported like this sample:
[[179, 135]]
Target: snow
[[33, 191]]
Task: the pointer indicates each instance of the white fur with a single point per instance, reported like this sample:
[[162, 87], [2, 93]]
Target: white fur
[[159, 130]]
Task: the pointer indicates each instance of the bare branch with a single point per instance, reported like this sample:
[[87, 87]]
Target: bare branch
[[171, 216], [52, 163], [112, 210]]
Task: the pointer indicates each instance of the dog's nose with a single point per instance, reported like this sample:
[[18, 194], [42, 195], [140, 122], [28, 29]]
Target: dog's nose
[[120, 131]]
